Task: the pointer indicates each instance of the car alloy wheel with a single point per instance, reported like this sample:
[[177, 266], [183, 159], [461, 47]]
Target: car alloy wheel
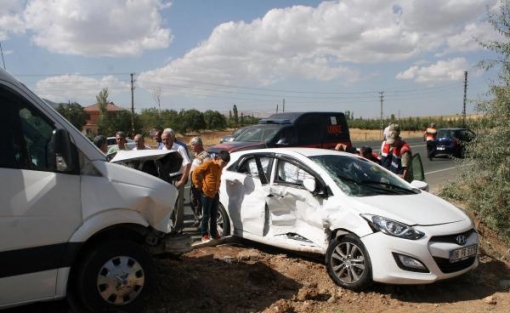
[[348, 263]]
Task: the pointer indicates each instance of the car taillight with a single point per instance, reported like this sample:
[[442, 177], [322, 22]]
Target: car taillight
[[454, 142]]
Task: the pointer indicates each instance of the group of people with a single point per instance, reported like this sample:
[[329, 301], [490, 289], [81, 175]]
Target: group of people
[[395, 153], [204, 171]]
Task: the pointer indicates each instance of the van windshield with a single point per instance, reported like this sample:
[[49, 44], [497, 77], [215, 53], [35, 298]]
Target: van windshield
[[259, 133]]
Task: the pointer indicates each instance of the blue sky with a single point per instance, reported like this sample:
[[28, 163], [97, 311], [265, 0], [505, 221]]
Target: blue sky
[[260, 55]]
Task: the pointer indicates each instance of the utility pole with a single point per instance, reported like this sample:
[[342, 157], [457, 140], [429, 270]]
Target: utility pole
[[283, 105], [277, 108], [2, 51], [465, 95], [381, 96], [132, 105]]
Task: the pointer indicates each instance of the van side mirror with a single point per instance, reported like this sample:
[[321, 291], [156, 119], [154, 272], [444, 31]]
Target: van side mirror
[[60, 152]]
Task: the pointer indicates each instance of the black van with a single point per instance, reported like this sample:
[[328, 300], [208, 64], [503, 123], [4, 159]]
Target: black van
[[293, 129]]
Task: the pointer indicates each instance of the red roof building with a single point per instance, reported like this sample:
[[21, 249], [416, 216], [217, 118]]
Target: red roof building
[[93, 114]]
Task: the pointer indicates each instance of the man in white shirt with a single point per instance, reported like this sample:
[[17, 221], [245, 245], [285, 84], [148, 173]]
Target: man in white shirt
[[168, 140]]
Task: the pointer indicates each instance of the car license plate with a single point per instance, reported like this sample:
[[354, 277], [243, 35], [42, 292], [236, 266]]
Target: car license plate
[[462, 253], [440, 148]]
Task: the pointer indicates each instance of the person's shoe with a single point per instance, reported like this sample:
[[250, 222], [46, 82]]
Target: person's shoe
[[216, 236], [206, 238]]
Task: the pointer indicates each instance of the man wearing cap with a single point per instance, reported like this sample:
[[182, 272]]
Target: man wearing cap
[[430, 137], [396, 154], [201, 156]]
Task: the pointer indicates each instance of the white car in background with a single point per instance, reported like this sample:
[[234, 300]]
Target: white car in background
[[370, 224], [129, 142]]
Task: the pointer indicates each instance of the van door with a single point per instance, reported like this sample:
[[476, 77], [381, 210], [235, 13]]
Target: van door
[[40, 206]]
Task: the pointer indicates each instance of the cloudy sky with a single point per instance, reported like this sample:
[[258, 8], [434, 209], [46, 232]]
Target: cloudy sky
[[261, 55]]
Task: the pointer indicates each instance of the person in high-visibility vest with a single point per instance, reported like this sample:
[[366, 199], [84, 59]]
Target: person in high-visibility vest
[[396, 154], [430, 137]]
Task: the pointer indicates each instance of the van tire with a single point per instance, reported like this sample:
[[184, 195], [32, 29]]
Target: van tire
[[124, 268]]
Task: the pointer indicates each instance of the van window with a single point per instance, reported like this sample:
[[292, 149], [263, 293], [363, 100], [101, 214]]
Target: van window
[[24, 134]]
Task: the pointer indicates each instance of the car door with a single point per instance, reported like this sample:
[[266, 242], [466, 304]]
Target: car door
[[40, 207], [292, 208], [417, 167], [247, 191]]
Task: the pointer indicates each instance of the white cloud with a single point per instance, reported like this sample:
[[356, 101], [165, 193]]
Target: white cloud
[[76, 88], [441, 71], [324, 43], [10, 18], [97, 27]]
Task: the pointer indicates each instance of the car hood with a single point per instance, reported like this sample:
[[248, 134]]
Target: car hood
[[237, 146], [419, 209]]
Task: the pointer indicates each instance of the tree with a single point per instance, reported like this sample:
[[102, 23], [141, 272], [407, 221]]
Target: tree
[[74, 113], [214, 120], [102, 102], [236, 116], [484, 184]]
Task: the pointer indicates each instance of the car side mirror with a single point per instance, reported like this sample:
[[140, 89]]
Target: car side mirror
[[420, 185], [61, 152]]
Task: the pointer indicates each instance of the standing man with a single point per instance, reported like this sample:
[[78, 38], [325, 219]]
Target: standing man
[[101, 142], [207, 178], [140, 143], [157, 137], [120, 137], [201, 156], [168, 139], [400, 155], [429, 136]]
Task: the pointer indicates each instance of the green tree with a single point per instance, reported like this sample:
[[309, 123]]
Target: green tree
[[74, 113], [214, 120], [102, 102], [236, 116], [484, 184], [191, 120]]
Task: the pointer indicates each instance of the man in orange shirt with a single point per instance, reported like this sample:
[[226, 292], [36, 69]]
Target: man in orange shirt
[[430, 137], [206, 178]]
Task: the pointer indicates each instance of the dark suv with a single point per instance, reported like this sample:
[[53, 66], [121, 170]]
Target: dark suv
[[292, 129], [452, 141]]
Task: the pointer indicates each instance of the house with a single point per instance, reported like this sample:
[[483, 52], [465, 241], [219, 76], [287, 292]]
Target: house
[[93, 114]]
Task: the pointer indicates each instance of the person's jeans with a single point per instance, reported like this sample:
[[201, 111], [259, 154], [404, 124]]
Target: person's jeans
[[209, 215], [431, 148]]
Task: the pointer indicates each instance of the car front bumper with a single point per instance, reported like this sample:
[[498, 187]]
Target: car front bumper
[[432, 251]]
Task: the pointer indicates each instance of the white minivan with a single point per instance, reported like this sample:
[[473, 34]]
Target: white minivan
[[73, 224]]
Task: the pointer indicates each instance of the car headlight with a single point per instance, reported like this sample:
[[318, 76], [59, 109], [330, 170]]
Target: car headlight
[[392, 228]]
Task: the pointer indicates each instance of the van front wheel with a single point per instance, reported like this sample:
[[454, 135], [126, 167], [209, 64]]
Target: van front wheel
[[115, 276]]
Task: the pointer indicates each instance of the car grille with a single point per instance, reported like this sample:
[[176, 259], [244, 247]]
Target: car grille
[[452, 238], [444, 264], [446, 267]]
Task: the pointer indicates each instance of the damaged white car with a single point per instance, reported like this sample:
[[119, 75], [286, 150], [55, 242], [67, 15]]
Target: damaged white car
[[370, 224]]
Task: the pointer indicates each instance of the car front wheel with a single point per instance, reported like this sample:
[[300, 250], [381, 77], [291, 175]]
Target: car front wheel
[[222, 221], [115, 277], [348, 263]]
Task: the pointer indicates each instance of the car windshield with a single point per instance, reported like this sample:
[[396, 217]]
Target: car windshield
[[258, 133], [446, 133], [361, 177]]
